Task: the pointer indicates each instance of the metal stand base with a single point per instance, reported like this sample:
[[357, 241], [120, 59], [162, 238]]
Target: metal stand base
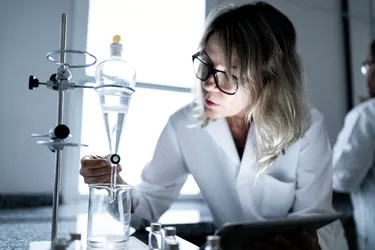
[[134, 244]]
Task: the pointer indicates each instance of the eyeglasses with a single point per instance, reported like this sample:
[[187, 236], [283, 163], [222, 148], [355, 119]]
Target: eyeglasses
[[203, 68], [365, 66]]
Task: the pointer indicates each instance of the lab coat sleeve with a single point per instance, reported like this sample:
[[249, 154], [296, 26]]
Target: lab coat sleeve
[[314, 180], [161, 180], [353, 152]]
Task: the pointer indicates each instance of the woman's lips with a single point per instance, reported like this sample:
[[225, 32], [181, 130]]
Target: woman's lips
[[210, 103]]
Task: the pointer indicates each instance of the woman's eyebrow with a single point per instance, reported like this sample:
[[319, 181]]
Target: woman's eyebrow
[[203, 52]]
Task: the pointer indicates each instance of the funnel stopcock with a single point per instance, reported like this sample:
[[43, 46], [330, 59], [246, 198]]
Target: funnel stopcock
[[114, 159]]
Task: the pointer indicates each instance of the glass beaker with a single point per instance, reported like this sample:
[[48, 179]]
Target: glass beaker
[[108, 224]]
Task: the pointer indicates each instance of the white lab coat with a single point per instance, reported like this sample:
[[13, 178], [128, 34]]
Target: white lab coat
[[353, 162], [297, 183]]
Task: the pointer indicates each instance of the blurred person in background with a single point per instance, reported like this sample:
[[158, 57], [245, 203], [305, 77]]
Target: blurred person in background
[[354, 159]]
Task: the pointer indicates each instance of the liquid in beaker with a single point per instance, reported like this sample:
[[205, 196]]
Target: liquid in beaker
[[109, 221]]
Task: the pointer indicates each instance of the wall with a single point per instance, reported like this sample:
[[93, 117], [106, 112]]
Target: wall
[[29, 29], [28, 33]]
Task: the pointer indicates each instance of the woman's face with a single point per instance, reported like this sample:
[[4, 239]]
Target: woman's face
[[217, 103]]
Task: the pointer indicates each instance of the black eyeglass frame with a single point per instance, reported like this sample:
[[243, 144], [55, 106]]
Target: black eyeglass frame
[[213, 71], [365, 65]]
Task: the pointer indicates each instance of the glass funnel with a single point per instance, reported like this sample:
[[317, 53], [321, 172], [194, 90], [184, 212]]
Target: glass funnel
[[109, 222], [115, 81]]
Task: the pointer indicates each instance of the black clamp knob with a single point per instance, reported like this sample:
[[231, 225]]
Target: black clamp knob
[[53, 78], [115, 159], [33, 82], [61, 131]]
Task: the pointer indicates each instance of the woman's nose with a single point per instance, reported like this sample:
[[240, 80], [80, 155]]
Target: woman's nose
[[209, 84]]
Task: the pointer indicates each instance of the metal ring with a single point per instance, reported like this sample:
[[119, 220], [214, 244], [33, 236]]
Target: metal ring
[[114, 86], [58, 143], [49, 57]]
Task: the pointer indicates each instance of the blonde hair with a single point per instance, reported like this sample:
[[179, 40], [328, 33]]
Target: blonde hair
[[263, 42]]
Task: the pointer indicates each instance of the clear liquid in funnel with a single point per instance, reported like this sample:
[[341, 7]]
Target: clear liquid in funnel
[[115, 102], [115, 109]]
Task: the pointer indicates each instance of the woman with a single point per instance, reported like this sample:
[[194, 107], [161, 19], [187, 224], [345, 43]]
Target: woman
[[258, 152]]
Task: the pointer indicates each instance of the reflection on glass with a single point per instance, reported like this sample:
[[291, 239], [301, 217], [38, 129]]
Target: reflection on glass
[[108, 224]]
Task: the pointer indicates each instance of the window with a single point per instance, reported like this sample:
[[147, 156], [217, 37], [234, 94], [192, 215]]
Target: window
[[158, 40], [142, 128], [157, 36]]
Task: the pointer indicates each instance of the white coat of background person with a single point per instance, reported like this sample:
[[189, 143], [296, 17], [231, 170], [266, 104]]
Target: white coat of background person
[[354, 160], [252, 145]]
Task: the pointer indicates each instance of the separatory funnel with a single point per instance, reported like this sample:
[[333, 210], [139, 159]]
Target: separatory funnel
[[110, 203], [115, 81]]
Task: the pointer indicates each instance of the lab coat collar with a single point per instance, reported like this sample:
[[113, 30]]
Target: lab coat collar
[[220, 132]]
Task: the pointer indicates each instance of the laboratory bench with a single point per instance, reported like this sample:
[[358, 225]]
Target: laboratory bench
[[19, 227], [193, 221]]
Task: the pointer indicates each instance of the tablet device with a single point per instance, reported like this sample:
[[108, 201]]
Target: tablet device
[[234, 235]]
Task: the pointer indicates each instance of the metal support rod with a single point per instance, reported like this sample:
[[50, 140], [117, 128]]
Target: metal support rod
[[371, 17], [345, 12], [55, 205]]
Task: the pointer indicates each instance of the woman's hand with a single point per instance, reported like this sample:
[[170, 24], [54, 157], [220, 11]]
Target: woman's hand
[[303, 240], [96, 169]]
